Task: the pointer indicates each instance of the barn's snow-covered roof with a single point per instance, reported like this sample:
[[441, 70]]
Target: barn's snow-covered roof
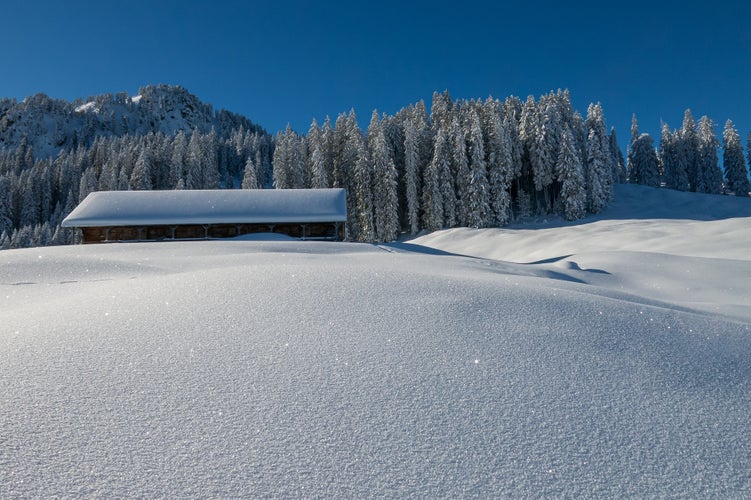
[[220, 206]]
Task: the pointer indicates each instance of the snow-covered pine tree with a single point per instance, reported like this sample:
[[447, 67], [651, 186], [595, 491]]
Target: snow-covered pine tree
[[316, 158], [645, 168], [69, 236], [69, 174], [363, 194], [708, 176], [161, 151], [44, 236], [579, 133], [21, 238], [568, 170], [411, 173], [123, 182], [500, 166], [327, 141], [630, 148], [109, 175], [385, 199], [674, 169], [511, 113], [26, 199], [340, 163], [478, 191], [210, 176], [618, 162], [446, 179], [4, 241], [634, 128], [594, 170], [6, 213], [545, 148], [289, 162], [421, 121], [250, 176], [349, 149], [736, 175], [689, 149], [460, 168], [393, 131], [318, 174], [564, 108], [140, 179], [512, 110], [528, 129], [177, 158], [599, 179], [47, 198], [441, 111], [282, 172], [87, 185], [193, 158], [298, 152], [432, 195]]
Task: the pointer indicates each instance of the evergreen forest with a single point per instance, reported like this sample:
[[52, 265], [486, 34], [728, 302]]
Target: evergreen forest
[[470, 163]]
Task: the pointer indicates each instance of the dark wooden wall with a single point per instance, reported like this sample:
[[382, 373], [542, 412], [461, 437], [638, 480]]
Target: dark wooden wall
[[318, 230]]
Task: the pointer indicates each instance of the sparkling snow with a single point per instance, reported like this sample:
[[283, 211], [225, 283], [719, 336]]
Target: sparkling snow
[[306, 369]]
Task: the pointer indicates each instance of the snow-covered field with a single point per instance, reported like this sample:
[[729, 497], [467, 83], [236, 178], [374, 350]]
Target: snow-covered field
[[606, 358]]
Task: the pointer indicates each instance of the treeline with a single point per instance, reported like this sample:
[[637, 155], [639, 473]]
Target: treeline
[[37, 194], [687, 158], [468, 163]]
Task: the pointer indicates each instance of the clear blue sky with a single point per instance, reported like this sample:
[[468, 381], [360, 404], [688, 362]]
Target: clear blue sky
[[291, 61]]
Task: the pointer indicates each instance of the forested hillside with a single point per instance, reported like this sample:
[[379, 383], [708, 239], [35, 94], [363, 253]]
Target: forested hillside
[[476, 163], [468, 163], [53, 153]]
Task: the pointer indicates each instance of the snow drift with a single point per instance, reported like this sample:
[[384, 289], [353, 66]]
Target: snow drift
[[287, 368]]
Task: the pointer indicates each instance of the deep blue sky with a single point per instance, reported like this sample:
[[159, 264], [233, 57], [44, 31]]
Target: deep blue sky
[[291, 61]]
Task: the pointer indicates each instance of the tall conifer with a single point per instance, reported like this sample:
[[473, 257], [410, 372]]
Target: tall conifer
[[736, 175]]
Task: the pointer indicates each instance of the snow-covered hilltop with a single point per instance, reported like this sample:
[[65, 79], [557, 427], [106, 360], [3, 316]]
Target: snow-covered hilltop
[[46, 126]]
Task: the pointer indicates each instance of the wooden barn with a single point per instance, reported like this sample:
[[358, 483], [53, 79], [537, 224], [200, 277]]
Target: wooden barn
[[112, 216]]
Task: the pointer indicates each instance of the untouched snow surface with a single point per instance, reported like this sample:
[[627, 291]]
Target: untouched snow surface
[[695, 253], [307, 369]]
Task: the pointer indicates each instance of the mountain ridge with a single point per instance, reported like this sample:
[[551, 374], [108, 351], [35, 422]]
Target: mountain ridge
[[49, 125]]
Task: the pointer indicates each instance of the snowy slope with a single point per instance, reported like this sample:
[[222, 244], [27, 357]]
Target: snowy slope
[[303, 369], [687, 249]]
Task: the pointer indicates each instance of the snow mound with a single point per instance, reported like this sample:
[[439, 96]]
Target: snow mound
[[695, 256], [311, 369], [264, 237]]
